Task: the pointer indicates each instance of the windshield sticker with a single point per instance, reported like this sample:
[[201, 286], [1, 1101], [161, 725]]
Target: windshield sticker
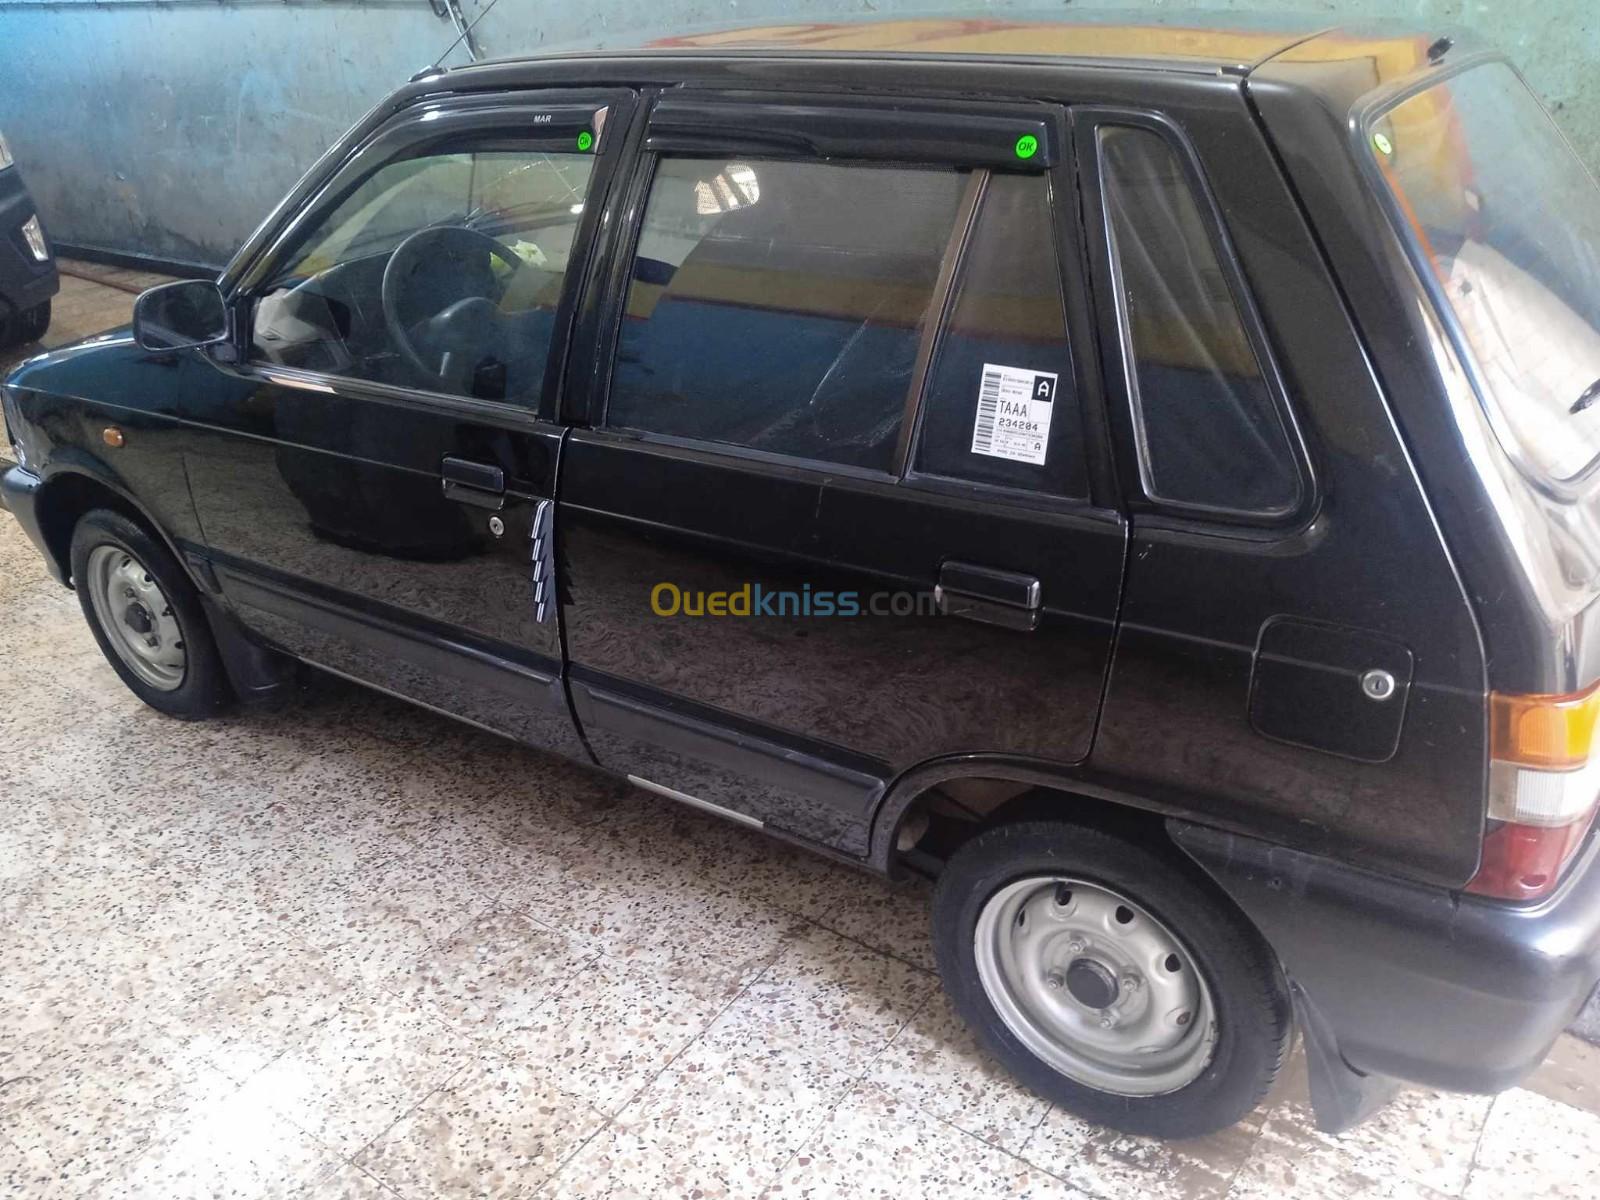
[[1014, 407]]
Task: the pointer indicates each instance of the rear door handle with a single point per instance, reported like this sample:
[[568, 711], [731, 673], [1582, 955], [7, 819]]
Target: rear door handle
[[1006, 598], [477, 484]]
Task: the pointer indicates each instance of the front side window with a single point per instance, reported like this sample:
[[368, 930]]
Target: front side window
[[1002, 405], [1210, 435], [1507, 219], [778, 305], [440, 272]]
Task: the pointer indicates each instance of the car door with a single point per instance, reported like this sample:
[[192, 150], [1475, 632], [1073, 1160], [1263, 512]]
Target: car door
[[836, 509], [375, 485]]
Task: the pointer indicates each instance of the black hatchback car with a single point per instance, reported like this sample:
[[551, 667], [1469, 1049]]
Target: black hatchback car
[[1144, 478], [28, 277]]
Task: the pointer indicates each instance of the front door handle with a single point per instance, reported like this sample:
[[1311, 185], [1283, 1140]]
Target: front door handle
[[477, 484], [1006, 598]]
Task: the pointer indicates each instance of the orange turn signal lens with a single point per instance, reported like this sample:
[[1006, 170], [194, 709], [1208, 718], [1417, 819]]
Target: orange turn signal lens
[[1543, 731]]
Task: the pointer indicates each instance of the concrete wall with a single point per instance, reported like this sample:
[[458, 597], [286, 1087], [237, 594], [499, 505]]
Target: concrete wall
[[169, 129]]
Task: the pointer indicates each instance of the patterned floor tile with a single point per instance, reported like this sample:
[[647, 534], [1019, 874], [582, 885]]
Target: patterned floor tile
[[935, 1064], [216, 1140], [500, 1129], [1535, 1148], [1420, 1146], [490, 977], [878, 1146], [1103, 1162], [609, 1030], [355, 1074]]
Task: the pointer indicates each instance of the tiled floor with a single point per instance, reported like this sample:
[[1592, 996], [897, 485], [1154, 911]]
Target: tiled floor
[[348, 948]]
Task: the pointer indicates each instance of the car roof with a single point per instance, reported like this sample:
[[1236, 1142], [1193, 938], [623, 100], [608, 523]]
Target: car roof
[[1191, 43], [1198, 43]]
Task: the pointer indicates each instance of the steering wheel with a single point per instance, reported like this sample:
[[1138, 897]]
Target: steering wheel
[[449, 346]]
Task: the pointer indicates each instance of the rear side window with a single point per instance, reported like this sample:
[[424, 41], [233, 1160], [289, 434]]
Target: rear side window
[[1208, 431], [778, 305], [1002, 407]]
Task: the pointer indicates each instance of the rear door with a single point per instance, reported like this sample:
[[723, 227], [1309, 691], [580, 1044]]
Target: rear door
[[376, 483], [836, 507]]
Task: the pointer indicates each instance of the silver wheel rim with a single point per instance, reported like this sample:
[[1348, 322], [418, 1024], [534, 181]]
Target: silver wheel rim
[[1095, 986], [137, 617]]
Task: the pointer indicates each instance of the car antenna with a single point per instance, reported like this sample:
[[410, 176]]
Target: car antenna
[[465, 32]]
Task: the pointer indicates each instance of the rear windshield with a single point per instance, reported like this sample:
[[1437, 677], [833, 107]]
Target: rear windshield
[[1507, 219]]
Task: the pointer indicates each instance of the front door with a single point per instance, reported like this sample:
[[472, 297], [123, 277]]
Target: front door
[[376, 486], [839, 510]]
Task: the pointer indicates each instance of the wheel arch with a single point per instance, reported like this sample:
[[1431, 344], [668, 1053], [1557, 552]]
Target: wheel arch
[[73, 489], [1068, 792]]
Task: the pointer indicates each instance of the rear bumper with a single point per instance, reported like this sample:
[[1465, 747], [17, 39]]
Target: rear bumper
[[1412, 982], [19, 492], [25, 282]]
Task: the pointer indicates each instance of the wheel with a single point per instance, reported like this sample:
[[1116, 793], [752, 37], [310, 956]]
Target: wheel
[[1112, 979], [146, 616], [35, 322], [27, 326]]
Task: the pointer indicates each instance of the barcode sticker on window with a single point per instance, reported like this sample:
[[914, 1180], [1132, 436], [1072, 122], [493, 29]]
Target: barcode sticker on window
[[1014, 407]]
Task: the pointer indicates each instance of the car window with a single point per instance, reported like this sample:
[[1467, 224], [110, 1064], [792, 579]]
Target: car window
[[1001, 405], [1208, 430], [778, 305], [440, 272], [1508, 220]]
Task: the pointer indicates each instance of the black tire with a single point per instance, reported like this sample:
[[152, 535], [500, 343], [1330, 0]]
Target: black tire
[[1253, 1022], [34, 323], [204, 688], [26, 326]]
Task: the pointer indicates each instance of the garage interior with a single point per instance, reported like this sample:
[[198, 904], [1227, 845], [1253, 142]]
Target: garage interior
[[345, 947]]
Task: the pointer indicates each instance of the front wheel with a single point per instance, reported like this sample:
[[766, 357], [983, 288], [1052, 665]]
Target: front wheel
[[1110, 978], [146, 616]]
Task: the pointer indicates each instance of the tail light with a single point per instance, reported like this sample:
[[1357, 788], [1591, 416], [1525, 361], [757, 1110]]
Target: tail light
[[1544, 787]]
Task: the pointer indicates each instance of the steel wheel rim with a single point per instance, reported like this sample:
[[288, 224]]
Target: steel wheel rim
[[138, 619], [1095, 986]]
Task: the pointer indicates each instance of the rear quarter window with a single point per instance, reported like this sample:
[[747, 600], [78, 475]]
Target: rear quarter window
[[1007, 334], [1209, 433]]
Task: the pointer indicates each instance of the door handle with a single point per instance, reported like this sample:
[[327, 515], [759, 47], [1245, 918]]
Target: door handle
[[994, 597], [477, 484]]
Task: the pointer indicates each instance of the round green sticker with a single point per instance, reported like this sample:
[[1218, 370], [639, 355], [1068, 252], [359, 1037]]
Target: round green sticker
[[585, 140], [1027, 146], [1384, 145]]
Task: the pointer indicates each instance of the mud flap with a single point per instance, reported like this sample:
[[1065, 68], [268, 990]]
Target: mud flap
[[258, 675], [1341, 1096]]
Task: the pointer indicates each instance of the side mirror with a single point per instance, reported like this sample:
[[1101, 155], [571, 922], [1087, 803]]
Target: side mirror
[[180, 316]]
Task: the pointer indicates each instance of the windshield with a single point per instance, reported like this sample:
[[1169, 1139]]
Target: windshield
[[1508, 221]]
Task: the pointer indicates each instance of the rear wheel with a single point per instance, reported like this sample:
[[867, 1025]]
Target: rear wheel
[[146, 616], [1110, 978]]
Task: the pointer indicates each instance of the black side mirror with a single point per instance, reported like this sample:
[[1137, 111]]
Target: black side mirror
[[180, 316]]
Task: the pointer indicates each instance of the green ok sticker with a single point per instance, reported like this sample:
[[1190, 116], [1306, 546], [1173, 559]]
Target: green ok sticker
[[585, 140], [1384, 145], [1027, 146]]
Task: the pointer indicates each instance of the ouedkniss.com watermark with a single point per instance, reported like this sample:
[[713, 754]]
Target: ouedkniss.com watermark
[[758, 600]]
